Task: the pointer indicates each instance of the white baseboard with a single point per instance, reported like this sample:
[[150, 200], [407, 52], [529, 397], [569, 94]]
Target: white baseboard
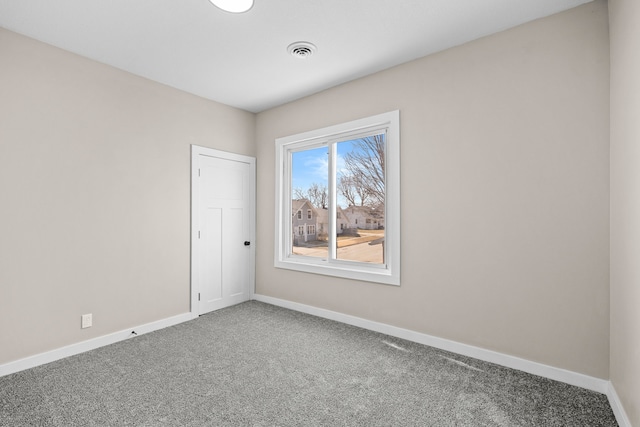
[[558, 374], [81, 347], [616, 406]]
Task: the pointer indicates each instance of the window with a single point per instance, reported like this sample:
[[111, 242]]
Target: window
[[354, 165], [299, 214], [301, 230]]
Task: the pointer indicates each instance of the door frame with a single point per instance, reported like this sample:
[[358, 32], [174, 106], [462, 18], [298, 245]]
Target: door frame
[[197, 151]]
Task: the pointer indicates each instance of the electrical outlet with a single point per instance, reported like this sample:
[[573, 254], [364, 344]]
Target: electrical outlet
[[87, 320]]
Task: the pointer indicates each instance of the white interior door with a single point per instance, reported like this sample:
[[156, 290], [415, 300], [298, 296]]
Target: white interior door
[[222, 222]]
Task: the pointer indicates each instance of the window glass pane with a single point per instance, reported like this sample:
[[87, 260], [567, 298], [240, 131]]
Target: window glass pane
[[361, 199], [309, 202]]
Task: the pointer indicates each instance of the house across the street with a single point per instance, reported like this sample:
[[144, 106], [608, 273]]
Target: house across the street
[[305, 220]]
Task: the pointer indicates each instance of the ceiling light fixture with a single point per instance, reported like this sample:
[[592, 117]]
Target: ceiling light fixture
[[233, 6]]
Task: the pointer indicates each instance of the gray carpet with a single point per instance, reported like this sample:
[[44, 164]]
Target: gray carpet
[[259, 365]]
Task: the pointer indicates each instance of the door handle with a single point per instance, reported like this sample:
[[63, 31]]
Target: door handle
[[246, 243]]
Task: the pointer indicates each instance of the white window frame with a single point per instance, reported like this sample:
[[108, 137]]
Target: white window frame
[[309, 215], [387, 273]]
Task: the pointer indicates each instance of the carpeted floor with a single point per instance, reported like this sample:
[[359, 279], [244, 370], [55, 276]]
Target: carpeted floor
[[259, 365]]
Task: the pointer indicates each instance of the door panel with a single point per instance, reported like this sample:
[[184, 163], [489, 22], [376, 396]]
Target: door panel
[[235, 254], [211, 257]]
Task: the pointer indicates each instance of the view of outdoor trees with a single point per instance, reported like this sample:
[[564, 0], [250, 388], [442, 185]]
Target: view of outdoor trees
[[360, 195], [361, 182]]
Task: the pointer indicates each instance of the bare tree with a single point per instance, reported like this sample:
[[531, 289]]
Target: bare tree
[[348, 189], [365, 173], [352, 190], [317, 194]]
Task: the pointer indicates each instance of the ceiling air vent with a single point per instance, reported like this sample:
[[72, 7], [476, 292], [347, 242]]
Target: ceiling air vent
[[301, 50]]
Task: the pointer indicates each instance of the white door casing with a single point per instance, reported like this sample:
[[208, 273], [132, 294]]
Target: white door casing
[[222, 229]]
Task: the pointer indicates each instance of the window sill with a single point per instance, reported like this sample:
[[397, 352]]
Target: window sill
[[346, 270]]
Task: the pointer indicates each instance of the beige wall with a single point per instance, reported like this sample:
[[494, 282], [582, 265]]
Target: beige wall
[[505, 193], [95, 194], [625, 204]]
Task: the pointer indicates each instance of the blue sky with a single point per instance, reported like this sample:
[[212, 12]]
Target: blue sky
[[312, 166]]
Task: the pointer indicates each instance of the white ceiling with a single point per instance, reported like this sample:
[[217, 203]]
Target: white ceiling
[[242, 59]]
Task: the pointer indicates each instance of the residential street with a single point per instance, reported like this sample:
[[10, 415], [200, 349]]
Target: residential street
[[363, 252]]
